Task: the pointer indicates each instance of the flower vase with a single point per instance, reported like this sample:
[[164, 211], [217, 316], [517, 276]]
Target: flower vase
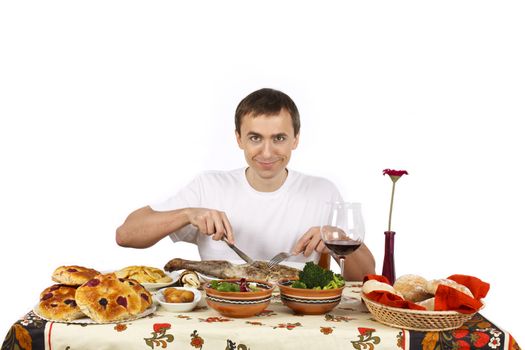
[[389, 269]]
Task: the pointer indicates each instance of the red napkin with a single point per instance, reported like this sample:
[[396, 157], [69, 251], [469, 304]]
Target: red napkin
[[387, 298], [448, 298], [379, 278]]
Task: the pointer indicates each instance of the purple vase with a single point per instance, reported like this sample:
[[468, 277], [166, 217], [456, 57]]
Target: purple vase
[[389, 269]]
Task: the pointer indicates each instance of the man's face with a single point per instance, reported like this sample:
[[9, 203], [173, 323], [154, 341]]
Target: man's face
[[267, 142]]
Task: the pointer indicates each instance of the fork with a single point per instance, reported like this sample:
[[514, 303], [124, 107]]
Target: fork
[[278, 258]]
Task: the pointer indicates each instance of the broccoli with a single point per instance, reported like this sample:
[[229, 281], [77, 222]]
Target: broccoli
[[315, 276]]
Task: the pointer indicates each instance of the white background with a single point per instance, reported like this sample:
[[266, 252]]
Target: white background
[[106, 106]]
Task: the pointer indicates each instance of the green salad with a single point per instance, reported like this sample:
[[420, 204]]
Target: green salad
[[242, 286], [314, 276]]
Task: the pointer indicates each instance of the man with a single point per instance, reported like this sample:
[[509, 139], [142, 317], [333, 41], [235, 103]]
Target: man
[[264, 208]]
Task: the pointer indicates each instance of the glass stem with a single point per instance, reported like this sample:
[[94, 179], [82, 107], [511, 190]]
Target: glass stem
[[342, 265]]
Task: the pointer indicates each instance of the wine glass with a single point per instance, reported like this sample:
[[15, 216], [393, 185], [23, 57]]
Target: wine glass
[[342, 229]]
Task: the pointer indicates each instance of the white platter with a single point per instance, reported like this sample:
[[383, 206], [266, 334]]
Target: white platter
[[87, 320], [155, 286]]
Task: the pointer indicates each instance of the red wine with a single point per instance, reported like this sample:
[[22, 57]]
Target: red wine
[[342, 247]]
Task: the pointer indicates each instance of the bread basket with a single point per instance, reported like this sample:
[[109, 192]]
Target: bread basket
[[419, 320]]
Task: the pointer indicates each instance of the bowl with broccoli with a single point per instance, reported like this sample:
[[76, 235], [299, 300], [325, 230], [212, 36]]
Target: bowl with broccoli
[[238, 297], [315, 292]]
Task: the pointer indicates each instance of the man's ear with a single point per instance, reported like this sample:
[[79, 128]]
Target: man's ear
[[238, 137], [296, 141]]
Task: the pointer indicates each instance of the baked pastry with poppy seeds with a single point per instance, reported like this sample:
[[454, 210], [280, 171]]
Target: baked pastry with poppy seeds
[[57, 303], [73, 275], [107, 298]]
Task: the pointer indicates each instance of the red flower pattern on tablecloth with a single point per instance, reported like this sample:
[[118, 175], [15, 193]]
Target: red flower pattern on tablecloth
[[366, 340], [120, 327], [196, 341], [215, 319], [401, 339], [159, 336], [476, 333], [333, 318], [266, 313], [326, 330], [288, 326]]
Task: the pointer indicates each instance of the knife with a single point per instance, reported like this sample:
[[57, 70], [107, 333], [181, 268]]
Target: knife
[[239, 252]]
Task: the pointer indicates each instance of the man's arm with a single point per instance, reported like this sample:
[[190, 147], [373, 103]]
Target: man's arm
[[144, 227], [357, 265]]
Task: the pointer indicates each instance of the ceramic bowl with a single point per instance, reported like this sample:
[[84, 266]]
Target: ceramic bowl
[[178, 307], [309, 301], [240, 304]]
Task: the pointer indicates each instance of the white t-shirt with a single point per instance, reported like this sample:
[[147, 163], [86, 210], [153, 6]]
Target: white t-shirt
[[263, 223]]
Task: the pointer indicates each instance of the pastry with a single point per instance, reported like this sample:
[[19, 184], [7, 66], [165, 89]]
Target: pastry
[[58, 303], [432, 286], [373, 286], [73, 275], [107, 298], [145, 296], [144, 274], [412, 287], [174, 295]]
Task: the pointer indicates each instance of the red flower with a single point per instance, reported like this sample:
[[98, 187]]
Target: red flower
[[364, 331], [392, 172], [460, 333], [462, 345], [197, 342], [326, 330], [479, 339], [159, 327]]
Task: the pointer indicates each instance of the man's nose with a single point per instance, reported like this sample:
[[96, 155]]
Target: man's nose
[[267, 149]]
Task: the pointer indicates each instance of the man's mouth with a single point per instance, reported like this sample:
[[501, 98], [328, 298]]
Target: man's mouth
[[267, 164]]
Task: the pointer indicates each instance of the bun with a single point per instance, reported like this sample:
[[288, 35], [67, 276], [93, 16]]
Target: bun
[[429, 304], [107, 298], [73, 275], [412, 287], [57, 302], [373, 285], [433, 285]]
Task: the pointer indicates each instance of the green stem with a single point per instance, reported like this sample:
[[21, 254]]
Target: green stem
[[391, 205]]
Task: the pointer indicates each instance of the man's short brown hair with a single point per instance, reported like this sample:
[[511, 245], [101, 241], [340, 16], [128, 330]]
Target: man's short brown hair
[[269, 102]]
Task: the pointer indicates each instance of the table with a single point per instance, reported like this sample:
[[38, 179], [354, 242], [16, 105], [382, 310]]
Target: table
[[348, 326]]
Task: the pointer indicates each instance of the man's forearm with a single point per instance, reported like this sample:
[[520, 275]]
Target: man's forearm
[[145, 227], [359, 264]]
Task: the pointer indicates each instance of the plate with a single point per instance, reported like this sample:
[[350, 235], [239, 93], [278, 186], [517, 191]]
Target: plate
[[155, 286], [87, 320]]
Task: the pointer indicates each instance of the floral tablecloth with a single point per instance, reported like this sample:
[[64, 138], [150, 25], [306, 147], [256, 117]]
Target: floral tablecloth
[[348, 326]]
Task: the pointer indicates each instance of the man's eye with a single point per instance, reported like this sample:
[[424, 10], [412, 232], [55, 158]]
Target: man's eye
[[254, 138], [280, 138]]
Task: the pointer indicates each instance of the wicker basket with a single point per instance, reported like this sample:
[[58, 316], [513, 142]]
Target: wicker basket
[[419, 320]]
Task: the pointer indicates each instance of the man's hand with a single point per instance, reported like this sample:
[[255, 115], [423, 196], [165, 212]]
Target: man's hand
[[309, 242], [211, 222]]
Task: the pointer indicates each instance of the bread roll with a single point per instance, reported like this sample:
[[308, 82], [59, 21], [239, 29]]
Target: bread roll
[[73, 275], [412, 287], [373, 285], [432, 286], [58, 303], [107, 298], [429, 304]]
